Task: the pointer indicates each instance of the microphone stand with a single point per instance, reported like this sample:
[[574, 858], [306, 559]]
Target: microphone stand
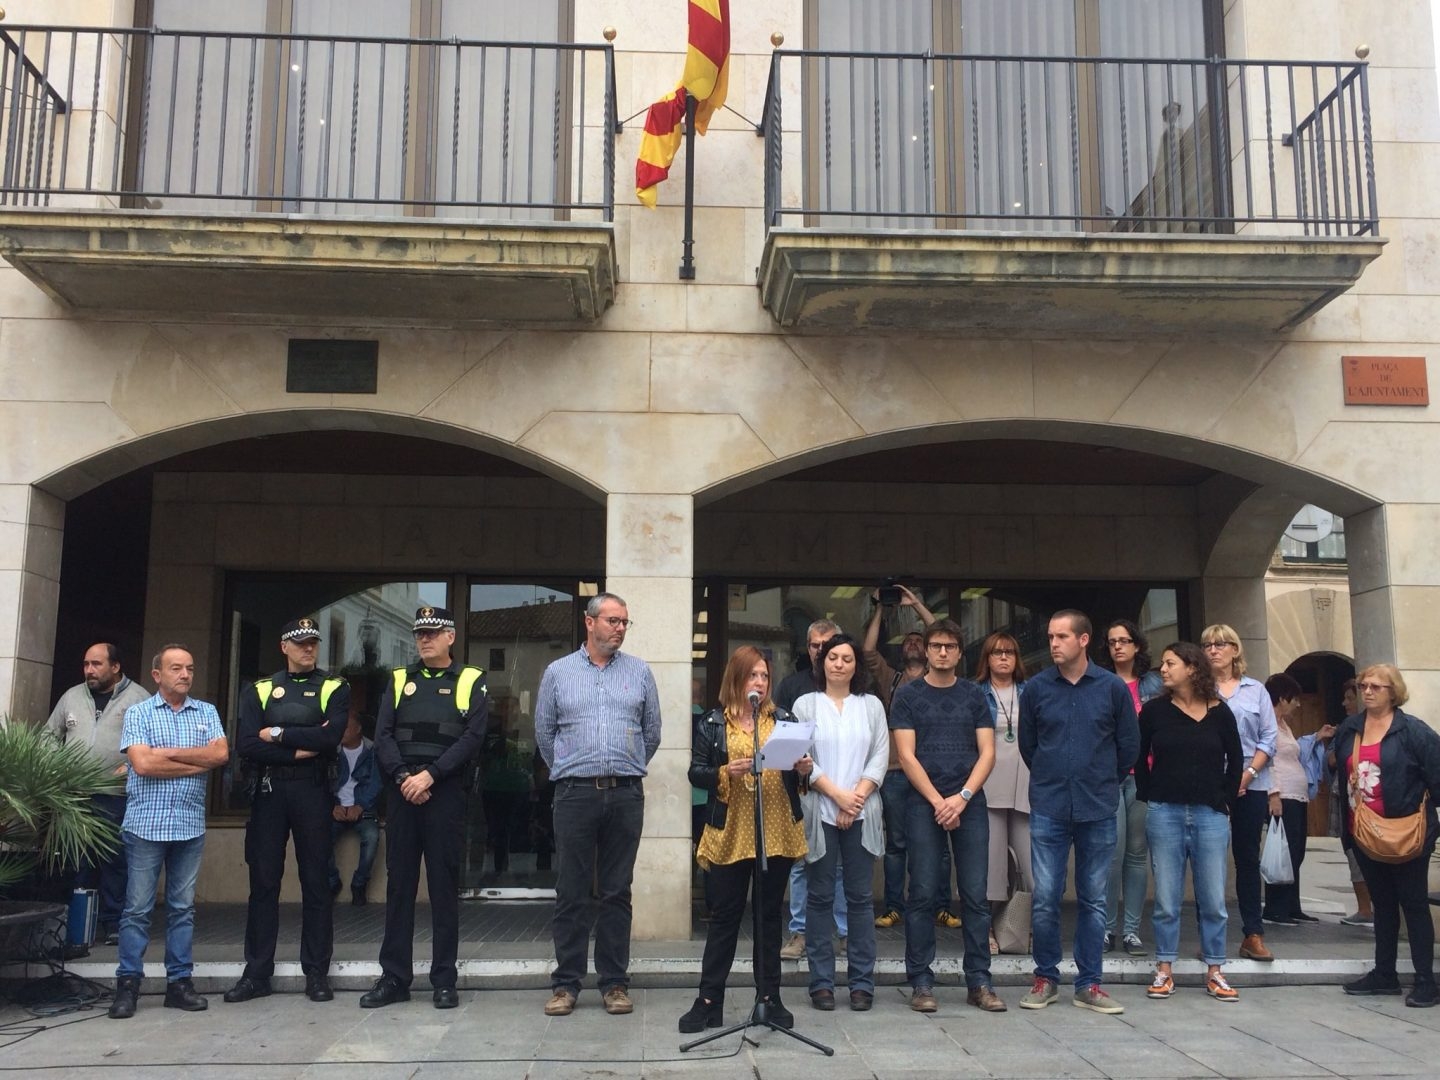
[[760, 1012]]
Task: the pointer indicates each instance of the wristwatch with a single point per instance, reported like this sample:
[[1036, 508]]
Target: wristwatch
[[276, 732], [966, 794]]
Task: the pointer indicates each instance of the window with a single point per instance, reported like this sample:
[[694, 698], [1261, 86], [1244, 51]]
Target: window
[[1057, 143], [313, 124]]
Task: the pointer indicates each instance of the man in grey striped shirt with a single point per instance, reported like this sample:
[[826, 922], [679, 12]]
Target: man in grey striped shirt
[[597, 723]]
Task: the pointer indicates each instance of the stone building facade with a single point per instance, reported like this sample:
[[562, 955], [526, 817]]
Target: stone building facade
[[1037, 411]]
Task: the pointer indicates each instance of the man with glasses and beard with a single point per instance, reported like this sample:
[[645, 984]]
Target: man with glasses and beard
[[597, 724]]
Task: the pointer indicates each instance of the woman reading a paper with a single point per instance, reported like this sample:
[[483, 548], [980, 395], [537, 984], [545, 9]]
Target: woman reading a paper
[[843, 818], [720, 764]]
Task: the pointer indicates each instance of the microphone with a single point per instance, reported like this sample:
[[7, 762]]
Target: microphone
[[753, 697]]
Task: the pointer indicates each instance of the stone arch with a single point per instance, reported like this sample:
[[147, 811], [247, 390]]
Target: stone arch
[[96, 468]]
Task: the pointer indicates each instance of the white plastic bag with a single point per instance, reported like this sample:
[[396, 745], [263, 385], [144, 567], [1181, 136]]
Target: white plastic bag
[[1275, 865]]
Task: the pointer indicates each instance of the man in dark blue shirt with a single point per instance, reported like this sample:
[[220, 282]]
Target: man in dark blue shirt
[[1079, 735]]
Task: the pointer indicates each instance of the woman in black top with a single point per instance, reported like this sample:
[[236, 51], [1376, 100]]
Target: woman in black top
[[1189, 774]]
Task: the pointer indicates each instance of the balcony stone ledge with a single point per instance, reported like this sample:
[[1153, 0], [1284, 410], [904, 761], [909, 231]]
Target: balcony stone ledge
[[839, 281], [415, 269]]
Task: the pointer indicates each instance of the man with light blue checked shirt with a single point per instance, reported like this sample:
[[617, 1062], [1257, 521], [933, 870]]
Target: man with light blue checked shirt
[[597, 724], [171, 741]]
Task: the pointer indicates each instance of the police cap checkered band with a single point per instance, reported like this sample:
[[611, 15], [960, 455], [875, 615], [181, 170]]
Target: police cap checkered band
[[300, 630], [433, 618]]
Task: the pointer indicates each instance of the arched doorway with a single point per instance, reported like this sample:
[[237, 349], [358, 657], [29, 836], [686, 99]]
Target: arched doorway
[[220, 544]]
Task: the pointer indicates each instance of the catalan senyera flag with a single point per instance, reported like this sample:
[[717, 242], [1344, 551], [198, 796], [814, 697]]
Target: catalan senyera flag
[[706, 79]]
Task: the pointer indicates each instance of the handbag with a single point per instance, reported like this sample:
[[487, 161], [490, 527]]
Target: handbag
[[1011, 925], [1275, 866], [1384, 839]]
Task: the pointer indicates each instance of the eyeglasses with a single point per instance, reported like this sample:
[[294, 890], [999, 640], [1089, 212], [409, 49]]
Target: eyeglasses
[[1112, 642], [614, 622], [421, 635], [944, 646], [1209, 645], [1003, 652], [1372, 687]]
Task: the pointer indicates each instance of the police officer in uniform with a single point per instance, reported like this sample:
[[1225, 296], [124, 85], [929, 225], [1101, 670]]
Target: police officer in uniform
[[290, 726], [432, 720]]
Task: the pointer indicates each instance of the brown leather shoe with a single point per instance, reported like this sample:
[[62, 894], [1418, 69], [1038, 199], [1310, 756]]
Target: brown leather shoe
[[617, 1001], [1253, 948], [561, 1003], [982, 997]]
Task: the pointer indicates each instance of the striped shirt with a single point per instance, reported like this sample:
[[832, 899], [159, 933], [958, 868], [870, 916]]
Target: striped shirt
[[597, 721], [167, 808]]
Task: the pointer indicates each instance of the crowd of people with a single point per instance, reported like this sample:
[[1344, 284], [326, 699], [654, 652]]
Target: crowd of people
[[1135, 769], [983, 788]]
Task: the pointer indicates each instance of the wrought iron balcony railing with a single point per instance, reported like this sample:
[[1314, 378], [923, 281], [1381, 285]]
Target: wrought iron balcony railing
[[1083, 144], [215, 122]]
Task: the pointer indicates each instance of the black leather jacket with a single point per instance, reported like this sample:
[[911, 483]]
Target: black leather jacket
[[708, 756]]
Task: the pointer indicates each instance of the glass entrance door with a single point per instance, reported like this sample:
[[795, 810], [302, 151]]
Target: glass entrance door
[[514, 631]]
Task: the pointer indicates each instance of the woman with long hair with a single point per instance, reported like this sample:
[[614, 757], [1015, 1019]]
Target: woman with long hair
[[1188, 773], [1390, 761], [844, 819], [1001, 675], [1129, 657], [720, 764], [1255, 717]]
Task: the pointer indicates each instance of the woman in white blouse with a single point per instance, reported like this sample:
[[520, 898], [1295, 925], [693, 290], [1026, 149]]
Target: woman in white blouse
[[1001, 674], [843, 819]]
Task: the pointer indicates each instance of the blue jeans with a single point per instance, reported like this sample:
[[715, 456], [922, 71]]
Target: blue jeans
[[895, 795], [969, 842], [1200, 835], [107, 876], [1050, 842], [367, 829], [1128, 869], [800, 901], [181, 862], [843, 851]]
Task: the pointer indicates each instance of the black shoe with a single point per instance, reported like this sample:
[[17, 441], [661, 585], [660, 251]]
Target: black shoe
[[824, 1000], [1373, 983], [112, 937], [317, 988], [181, 994], [445, 997], [703, 1014], [1303, 916], [1280, 920], [778, 1014], [386, 991], [127, 997], [247, 988], [1424, 996], [357, 898], [861, 1000]]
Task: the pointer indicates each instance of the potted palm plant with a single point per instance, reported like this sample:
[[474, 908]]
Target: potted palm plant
[[47, 819]]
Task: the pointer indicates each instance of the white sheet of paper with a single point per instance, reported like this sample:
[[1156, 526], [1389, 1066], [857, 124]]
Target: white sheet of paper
[[788, 743]]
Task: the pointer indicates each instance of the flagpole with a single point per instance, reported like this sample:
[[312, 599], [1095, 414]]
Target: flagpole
[[687, 260]]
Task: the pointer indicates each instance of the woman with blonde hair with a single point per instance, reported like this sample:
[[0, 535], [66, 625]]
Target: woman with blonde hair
[[1250, 702], [721, 757], [1390, 761]]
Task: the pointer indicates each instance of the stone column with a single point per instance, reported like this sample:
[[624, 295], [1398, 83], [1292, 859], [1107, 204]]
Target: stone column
[[32, 530], [649, 561], [1239, 602], [1395, 595]]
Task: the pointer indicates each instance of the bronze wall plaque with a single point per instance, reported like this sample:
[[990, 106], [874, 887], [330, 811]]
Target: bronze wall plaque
[[1385, 380], [332, 366]]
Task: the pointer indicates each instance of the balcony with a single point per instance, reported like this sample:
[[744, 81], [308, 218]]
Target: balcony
[[311, 178], [1063, 194]]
